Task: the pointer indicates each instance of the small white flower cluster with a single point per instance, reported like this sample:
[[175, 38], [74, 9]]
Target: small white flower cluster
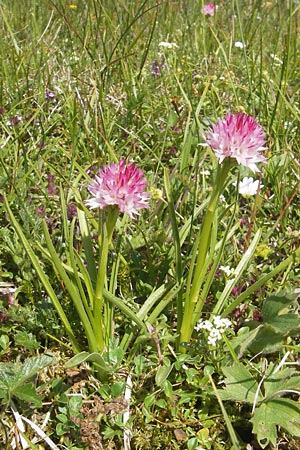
[[168, 45], [248, 186], [215, 328], [227, 270]]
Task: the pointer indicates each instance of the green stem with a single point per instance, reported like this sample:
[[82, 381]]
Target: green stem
[[105, 231], [177, 246], [192, 297]]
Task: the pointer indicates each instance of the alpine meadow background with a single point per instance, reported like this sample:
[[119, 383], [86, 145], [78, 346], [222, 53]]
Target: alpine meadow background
[[149, 238]]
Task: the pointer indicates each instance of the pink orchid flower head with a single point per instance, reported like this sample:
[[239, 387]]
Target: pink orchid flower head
[[208, 9], [238, 136], [119, 184]]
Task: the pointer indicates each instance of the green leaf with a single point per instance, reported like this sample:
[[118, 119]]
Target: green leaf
[[4, 342], [243, 340], [14, 378], [31, 366], [278, 412], [26, 340], [266, 340], [280, 382], [240, 385], [286, 324], [74, 404], [162, 373], [275, 304], [275, 312], [43, 277], [62, 418], [28, 393], [278, 323], [88, 357], [62, 428], [238, 272]]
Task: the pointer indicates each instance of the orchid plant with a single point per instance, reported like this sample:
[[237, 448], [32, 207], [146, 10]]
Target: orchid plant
[[238, 139], [118, 188]]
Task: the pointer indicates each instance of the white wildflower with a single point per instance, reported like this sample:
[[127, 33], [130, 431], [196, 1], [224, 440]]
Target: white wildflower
[[277, 61], [215, 328], [168, 45], [204, 325], [227, 270], [239, 44], [221, 323], [248, 186]]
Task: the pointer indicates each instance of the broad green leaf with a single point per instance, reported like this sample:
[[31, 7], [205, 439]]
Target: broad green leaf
[[27, 393], [285, 324], [231, 431], [14, 378], [278, 323], [266, 340], [281, 412], [274, 304], [114, 356], [31, 366], [4, 342], [240, 385], [7, 374], [61, 428], [243, 340], [62, 418], [278, 383], [14, 374]]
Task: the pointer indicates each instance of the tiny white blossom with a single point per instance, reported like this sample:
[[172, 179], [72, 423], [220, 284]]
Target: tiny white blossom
[[215, 328], [212, 341], [248, 186], [215, 333], [227, 270], [168, 45], [221, 323], [204, 325], [277, 61], [239, 44]]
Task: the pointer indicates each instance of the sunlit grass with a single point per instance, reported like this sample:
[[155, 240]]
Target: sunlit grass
[[86, 83]]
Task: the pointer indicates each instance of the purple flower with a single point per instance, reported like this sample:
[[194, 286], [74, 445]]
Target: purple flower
[[238, 136], [49, 95], [51, 184], [157, 68], [208, 9], [120, 185], [41, 211], [71, 211], [14, 121], [257, 315]]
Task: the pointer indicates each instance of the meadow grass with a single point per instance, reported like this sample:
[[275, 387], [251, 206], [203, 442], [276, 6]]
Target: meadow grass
[[87, 83]]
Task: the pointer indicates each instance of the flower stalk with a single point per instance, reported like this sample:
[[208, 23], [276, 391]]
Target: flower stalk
[[106, 228], [199, 274]]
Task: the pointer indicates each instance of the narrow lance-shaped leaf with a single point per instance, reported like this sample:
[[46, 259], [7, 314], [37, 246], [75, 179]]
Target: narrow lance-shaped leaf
[[43, 277]]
